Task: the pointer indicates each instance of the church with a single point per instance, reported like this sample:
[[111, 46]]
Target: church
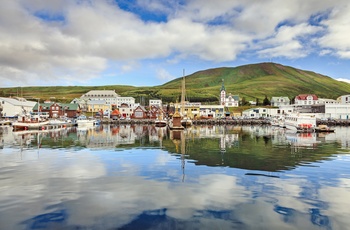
[[230, 100]]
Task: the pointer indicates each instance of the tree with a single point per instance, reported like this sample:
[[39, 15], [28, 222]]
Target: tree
[[266, 101]]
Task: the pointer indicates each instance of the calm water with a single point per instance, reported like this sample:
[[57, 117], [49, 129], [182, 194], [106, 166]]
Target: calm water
[[205, 177]]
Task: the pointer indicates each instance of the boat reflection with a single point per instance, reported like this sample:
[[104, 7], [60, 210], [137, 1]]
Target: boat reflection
[[263, 148]]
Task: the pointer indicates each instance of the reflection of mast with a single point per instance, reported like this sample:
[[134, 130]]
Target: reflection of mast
[[182, 111], [183, 152], [178, 138]]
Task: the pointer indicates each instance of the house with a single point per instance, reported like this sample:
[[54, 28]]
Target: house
[[278, 101], [156, 102], [140, 113], [126, 111], [327, 101], [154, 111], [191, 109], [259, 112], [306, 99], [211, 111], [12, 107], [130, 101], [81, 102], [115, 114], [97, 105], [55, 110], [345, 99]]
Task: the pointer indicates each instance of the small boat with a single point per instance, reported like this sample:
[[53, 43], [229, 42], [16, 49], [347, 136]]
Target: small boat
[[83, 121], [27, 122], [323, 128], [186, 122], [160, 120]]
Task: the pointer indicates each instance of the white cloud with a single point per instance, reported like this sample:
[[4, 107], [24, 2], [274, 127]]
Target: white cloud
[[164, 75], [337, 25], [88, 36], [343, 79]]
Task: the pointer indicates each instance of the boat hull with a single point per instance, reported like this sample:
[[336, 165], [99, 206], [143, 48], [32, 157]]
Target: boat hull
[[29, 125]]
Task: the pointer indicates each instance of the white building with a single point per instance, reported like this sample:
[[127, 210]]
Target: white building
[[327, 101], [156, 102], [130, 101], [15, 106], [259, 112], [230, 100], [212, 111], [345, 99], [107, 97], [278, 101], [337, 111], [306, 99]]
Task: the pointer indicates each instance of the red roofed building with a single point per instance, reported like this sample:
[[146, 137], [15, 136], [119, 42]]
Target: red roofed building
[[306, 99]]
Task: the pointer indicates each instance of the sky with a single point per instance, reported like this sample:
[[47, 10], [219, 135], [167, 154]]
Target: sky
[[150, 42]]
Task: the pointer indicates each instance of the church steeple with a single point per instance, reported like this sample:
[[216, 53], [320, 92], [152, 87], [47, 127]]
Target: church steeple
[[222, 93], [222, 86]]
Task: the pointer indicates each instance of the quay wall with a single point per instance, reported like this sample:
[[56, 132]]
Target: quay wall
[[224, 122]]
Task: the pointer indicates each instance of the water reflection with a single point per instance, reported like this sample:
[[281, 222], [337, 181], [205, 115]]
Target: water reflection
[[145, 177]]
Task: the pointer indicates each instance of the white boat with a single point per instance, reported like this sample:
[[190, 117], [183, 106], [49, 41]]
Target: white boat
[[300, 122], [278, 121], [186, 122], [160, 120], [27, 122], [83, 121]]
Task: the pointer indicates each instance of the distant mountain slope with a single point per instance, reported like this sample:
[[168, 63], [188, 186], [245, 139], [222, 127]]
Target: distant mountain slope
[[258, 80], [248, 81]]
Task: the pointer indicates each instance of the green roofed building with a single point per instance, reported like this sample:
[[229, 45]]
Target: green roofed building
[[54, 109]]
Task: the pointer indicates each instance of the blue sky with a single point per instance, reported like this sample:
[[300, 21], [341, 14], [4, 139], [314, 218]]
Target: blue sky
[[150, 42]]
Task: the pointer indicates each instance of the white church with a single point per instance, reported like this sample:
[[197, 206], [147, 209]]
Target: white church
[[228, 100]]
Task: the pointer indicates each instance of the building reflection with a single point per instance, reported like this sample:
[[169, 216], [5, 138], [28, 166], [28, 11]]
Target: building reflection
[[226, 137]]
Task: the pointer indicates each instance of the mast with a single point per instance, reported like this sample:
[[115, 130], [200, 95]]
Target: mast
[[183, 94]]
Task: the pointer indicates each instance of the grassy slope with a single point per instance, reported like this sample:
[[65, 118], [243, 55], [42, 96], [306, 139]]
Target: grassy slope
[[249, 81]]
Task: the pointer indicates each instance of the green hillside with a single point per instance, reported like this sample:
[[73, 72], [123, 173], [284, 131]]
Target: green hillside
[[248, 81]]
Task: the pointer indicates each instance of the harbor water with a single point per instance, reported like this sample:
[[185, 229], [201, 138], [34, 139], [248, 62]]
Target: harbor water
[[146, 177]]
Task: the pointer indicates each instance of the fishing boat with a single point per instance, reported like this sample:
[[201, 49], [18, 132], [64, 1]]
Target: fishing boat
[[300, 122], [160, 120], [27, 122]]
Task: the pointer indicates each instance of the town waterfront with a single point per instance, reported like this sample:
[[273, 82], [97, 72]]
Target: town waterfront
[[134, 176]]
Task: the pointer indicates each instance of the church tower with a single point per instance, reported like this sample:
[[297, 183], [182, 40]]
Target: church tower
[[222, 93]]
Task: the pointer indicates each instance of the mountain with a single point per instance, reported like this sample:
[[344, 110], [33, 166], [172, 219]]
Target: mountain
[[257, 80], [248, 81]]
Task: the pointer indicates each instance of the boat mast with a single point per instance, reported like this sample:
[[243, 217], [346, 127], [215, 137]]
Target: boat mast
[[183, 94]]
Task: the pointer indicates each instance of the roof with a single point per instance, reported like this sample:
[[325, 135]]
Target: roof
[[141, 107], [66, 106], [222, 86], [304, 96], [96, 102], [115, 112], [101, 93], [18, 101]]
